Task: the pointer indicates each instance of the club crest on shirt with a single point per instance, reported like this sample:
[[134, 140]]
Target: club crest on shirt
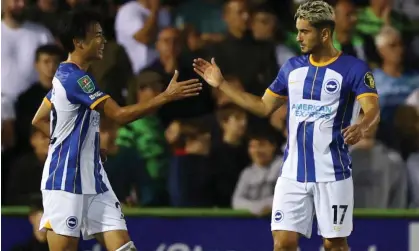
[[369, 80], [332, 86], [86, 84]]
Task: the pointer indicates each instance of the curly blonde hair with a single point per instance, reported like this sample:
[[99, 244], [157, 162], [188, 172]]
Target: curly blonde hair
[[316, 12]]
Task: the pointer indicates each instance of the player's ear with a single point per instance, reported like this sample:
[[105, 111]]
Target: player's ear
[[325, 34], [78, 43]]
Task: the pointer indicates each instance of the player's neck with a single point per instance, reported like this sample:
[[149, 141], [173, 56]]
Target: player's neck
[[324, 55], [78, 60]]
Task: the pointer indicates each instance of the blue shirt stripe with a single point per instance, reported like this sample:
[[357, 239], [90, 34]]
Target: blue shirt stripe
[[306, 167], [309, 152], [100, 186], [313, 83], [52, 166], [59, 171], [73, 179]]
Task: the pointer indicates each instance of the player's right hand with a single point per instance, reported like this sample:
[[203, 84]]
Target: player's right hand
[[210, 72], [178, 90]]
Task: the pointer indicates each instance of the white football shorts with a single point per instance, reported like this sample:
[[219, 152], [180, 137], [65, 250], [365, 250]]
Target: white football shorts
[[67, 213], [295, 204]]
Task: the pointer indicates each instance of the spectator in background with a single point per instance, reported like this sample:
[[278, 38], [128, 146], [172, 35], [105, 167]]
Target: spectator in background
[[8, 117], [344, 37], [26, 171], [146, 135], [19, 41], [8, 140], [137, 24], [169, 47], [378, 14], [265, 27], [394, 84], [239, 48], [413, 178], [221, 101], [379, 175], [408, 7], [190, 170], [74, 4], [203, 15], [47, 59], [229, 153], [255, 187], [123, 166], [413, 166], [38, 242], [220, 98], [46, 13], [407, 126]]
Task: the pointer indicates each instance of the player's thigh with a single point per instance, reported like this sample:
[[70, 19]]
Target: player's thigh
[[62, 218], [334, 203], [105, 218], [292, 208], [62, 243]]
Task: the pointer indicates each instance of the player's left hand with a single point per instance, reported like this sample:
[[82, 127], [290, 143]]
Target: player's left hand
[[353, 134]]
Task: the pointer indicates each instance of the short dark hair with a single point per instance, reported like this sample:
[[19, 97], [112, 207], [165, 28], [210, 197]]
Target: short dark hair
[[265, 132], [228, 110], [191, 129], [75, 26], [49, 49], [264, 8], [149, 79]]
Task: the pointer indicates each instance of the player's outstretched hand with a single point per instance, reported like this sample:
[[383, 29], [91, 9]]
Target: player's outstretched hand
[[353, 134], [179, 90], [210, 72]]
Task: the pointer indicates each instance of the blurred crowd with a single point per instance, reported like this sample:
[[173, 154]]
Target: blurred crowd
[[205, 151]]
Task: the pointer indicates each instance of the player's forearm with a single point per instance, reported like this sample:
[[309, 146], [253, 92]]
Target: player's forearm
[[247, 101], [130, 113], [370, 120]]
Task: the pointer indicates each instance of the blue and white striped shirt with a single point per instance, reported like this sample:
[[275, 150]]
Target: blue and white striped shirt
[[321, 102], [73, 163]]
